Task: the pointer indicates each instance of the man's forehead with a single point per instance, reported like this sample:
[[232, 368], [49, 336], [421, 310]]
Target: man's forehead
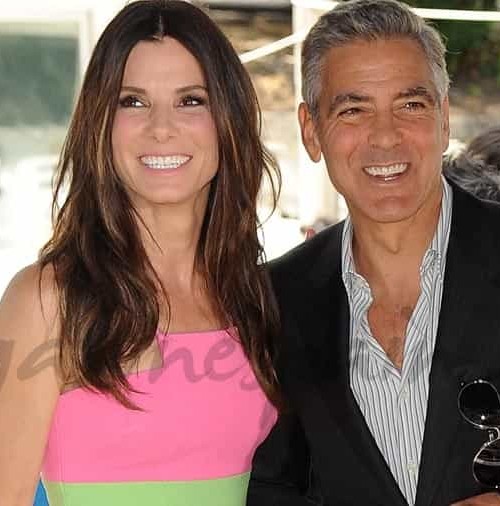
[[366, 69], [425, 91], [401, 50]]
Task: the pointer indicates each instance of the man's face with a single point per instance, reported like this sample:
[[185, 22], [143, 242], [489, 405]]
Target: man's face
[[381, 129]]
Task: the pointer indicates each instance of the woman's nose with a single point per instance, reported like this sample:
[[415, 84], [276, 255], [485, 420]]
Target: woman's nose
[[162, 125]]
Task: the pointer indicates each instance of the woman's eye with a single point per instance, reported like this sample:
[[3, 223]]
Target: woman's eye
[[130, 101], [192, 100]]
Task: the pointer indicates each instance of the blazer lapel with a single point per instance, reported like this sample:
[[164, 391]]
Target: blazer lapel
[[466, 287], [345, 410], [332, 350]]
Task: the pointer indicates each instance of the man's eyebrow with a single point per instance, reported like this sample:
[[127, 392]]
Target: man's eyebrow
[[343, 98], [182, 89], [418, 91]]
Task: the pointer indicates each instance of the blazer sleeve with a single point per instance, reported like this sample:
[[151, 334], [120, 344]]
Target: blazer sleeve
[[281, 471], [282, 468]]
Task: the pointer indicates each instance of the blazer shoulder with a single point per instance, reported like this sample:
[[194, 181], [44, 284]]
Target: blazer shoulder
[[491, 208], [315, 255], [476, 215]]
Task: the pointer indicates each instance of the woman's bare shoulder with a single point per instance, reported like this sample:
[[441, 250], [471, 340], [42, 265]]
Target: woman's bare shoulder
[[30, 302], [29, 381]]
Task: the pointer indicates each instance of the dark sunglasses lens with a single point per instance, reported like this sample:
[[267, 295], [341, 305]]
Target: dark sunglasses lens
[[479, 403], [487, 465]]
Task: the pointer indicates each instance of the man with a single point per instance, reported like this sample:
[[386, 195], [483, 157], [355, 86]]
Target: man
[[386, 315]]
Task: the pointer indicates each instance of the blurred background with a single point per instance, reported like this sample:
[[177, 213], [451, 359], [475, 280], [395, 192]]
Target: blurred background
[[44, 48]]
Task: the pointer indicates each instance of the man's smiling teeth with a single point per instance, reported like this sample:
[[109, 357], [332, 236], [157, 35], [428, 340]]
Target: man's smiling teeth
[[386, 170], [164, 162]]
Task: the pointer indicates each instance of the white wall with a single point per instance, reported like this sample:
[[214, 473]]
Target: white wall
[[317, 198]]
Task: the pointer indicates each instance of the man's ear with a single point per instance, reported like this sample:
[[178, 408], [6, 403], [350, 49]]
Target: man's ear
[[308, 132], [445, 111]]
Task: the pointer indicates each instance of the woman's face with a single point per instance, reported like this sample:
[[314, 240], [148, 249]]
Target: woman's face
[[165, 146]]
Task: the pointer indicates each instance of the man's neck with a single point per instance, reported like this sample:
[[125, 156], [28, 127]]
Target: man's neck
[[389, 255]]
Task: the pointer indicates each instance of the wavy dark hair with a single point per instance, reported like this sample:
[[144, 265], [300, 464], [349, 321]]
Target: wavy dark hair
[[109, 300]]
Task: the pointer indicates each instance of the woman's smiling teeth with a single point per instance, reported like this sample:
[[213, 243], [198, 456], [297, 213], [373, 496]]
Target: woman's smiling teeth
[[164, 162], [386, 170]]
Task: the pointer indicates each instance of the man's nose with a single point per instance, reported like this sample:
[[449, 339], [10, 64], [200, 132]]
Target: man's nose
[[384, 133]]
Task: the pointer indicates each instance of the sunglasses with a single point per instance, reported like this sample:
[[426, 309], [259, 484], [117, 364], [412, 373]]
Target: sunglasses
[[479, 404]]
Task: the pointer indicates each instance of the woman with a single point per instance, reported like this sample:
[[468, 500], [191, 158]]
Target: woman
[[138, 346]]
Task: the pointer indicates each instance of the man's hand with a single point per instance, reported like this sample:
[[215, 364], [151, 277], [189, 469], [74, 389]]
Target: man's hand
[[490, 499]]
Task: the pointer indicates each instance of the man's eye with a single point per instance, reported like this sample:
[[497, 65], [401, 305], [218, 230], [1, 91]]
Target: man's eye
[[130, 101], [414, 106], [192, 100], [352, 111]]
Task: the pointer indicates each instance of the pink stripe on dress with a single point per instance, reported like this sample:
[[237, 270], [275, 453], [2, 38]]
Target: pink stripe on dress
[[203, 416]]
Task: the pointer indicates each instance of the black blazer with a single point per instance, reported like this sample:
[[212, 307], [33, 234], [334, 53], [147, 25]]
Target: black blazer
[[321, 451]]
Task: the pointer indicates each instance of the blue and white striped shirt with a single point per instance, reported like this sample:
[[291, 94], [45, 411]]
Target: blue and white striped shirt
[[394, 402]]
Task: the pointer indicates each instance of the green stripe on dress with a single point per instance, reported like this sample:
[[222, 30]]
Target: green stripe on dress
[[230, 491]]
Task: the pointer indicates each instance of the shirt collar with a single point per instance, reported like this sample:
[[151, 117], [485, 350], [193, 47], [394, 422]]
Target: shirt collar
[[435, 254]]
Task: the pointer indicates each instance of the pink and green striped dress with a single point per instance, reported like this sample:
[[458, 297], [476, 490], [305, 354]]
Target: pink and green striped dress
[[203, 415]]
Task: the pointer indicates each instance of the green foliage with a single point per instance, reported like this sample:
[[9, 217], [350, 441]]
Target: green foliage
[[473, 47], [37, 79]]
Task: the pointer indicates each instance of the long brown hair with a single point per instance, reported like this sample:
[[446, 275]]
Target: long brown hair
[[109, 304]]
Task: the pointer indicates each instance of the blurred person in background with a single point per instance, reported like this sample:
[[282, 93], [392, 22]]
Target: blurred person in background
[[476, 166], [486, 147], [136, 352]]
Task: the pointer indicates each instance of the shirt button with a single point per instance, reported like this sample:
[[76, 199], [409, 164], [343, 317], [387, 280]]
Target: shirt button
[[404, 393], [412, 468]]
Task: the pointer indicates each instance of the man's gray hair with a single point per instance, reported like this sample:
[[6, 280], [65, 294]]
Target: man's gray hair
[[368, 20]]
